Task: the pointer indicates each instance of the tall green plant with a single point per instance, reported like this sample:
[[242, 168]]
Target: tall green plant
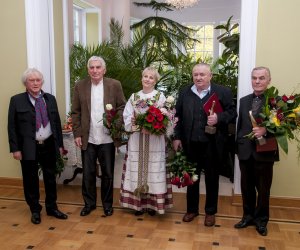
[[225, 68]]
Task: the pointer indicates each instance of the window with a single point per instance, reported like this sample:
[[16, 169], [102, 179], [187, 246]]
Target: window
[[77, 17], [203, 50]]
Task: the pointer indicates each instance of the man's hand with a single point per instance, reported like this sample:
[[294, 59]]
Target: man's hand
[[78, 142], [177, 145], [17, 155], [259, 131], [212, 119]]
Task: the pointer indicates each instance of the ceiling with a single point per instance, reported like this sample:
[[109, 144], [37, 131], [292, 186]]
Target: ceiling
[[213, 11]]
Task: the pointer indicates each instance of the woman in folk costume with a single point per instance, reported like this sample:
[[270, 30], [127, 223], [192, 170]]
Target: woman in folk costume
[[145, 183]]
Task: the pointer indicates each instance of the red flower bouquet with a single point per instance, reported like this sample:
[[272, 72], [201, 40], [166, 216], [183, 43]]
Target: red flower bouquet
[[281, 117], [112, 122], [182, 172], [153, 120]]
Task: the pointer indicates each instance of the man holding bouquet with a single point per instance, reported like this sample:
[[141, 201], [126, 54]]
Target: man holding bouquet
[[91, 97], [256, 167], [202, 135]]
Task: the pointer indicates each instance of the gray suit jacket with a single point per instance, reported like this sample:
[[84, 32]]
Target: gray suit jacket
[[81, 105]]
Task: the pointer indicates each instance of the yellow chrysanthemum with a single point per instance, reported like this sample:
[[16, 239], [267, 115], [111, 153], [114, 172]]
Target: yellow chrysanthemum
[[276, 121], [292, 115], [297, 110]]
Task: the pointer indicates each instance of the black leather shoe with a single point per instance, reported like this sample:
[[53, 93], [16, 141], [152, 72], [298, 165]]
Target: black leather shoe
[[57, 214], [243, 223], [138, 213], [36, 218], [262, 230], [108, 211], [151, 212], [86, 210]]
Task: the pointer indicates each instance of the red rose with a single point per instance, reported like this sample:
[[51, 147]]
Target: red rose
[[259, 120], [291, 97], [150, 118], [152, 110], [159, 117], [157, 125], [64, 151], [175, 180], [280, 115], [285, 98], [272, 101], [157, 112], [186, 177]]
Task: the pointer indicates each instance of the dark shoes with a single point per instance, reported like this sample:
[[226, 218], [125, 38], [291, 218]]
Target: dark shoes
[[151, 212], [86, 210], [36, 218], [188, 217], [262, 230], [108, 211], [57, 214], [139, 213], [243, 223], [210, 220]]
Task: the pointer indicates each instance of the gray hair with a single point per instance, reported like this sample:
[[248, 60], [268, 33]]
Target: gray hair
[[154, 71], [29, 72], [202, 64], [262, 68], [97, 58]]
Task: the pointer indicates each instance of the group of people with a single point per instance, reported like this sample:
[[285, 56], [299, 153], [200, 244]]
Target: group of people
[[35, 139]]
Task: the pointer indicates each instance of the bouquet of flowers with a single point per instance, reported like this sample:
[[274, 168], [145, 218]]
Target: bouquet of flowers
[[112, 123], [60, 162], [156, 120], [182, 172], [281, 116]]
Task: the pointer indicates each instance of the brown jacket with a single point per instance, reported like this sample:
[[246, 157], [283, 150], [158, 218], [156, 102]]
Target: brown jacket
[[81, 105]]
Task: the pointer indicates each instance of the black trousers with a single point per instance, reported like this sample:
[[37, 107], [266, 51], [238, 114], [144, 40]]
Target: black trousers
[[256, 181], [202, 154], [105, 153], [46, 157]]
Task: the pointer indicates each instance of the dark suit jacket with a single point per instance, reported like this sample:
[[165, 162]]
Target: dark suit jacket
[[81, 105], [245, 146], [184, 112], [22, 128]]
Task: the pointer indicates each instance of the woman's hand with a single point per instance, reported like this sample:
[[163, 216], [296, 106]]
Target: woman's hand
[[145, 131], [177, 145]]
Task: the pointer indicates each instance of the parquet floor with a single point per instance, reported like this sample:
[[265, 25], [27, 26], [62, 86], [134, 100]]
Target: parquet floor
[[123, 230]]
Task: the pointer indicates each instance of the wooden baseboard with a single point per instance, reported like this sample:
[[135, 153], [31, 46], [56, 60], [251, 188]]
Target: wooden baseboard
[[15, 182], [279, 202]]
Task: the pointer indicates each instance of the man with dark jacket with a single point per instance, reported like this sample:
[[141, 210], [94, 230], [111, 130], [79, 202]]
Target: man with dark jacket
[[194, 133], [35, 138], [256, 167]]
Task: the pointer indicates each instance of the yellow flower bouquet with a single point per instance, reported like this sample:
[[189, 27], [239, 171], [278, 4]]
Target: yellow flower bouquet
[[281, 117]]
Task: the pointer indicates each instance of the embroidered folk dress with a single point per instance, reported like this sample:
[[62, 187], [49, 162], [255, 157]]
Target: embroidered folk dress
[[145, 165]]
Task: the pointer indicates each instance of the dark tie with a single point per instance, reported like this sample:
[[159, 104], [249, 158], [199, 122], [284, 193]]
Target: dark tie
[[41, 113], [256, 106]]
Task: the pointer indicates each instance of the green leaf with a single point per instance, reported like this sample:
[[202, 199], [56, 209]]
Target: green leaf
[[283, 142]]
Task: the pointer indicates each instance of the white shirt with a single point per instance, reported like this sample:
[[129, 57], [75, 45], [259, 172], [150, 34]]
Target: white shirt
[[98, 133], [202, 94]]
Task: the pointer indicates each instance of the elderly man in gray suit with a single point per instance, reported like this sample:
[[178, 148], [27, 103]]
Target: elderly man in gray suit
[[90, 98]]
